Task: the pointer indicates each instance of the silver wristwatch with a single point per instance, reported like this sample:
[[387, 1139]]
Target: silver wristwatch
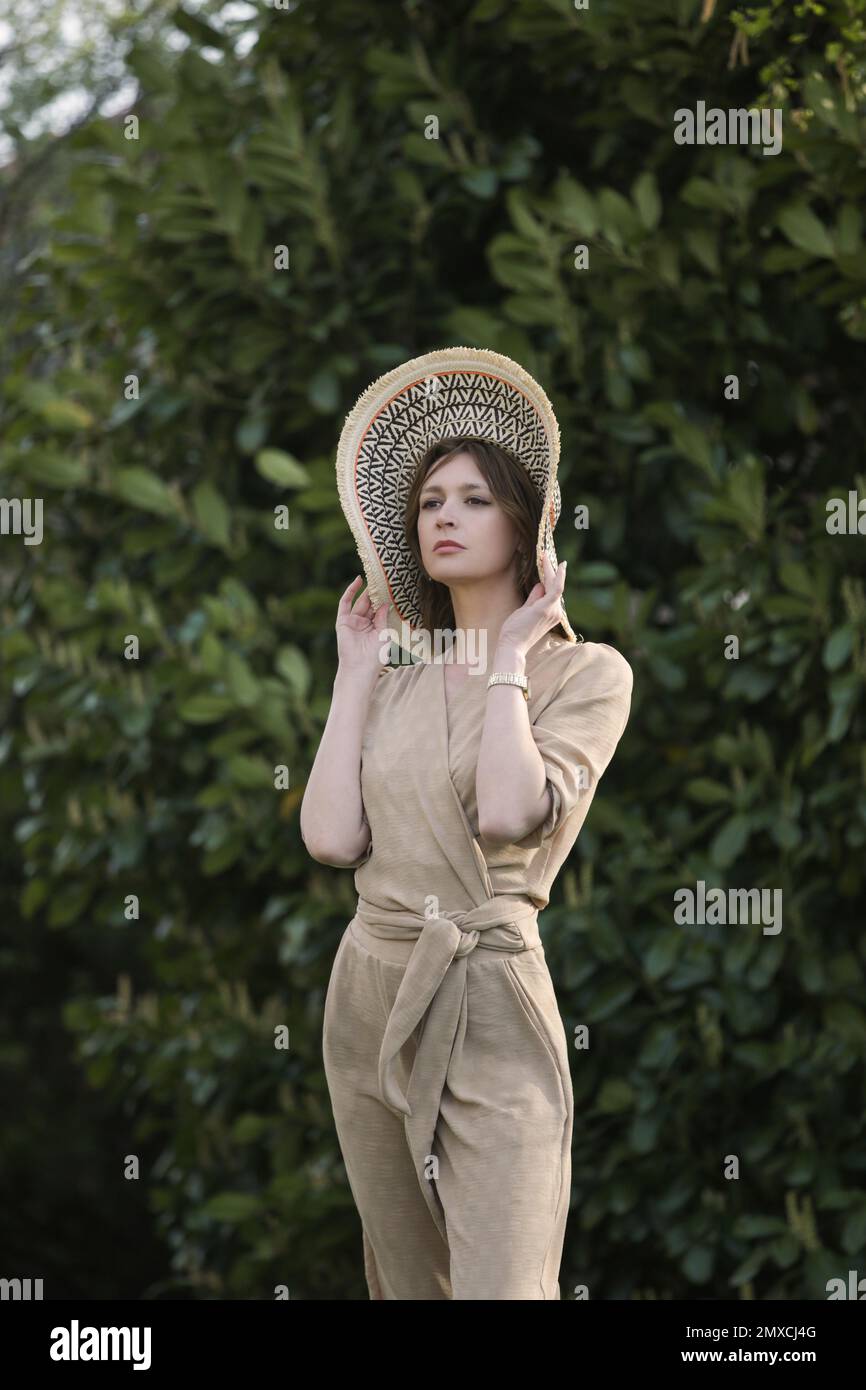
[[510, 678]]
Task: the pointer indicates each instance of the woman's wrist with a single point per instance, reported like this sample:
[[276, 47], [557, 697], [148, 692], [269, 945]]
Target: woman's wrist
[[510, 659], [359, 682]]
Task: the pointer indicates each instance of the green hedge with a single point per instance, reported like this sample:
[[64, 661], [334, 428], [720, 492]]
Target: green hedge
[[154, 777]]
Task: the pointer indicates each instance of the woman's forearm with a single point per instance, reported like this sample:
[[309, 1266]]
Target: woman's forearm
[[510, 781], [332, 811]]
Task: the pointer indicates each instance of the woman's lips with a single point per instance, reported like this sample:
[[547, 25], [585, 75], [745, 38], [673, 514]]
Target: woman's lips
[[447, 545]]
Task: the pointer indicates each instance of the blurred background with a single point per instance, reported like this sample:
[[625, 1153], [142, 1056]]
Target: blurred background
[[219, 223]]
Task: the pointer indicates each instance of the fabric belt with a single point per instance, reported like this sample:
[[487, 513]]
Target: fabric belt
[[443, 945]]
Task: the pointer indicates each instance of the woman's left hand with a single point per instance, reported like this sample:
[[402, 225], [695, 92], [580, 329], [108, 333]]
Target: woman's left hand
[[541, 611]]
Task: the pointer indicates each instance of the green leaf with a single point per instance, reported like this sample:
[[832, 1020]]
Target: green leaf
[[750, 1266], [849, 230], [783, 606], [251, 432], [662, 954], [709, 793], [805, 230], [251, 772], [67, 416], [838, 647], [211, 513], [636, 361], [701, 193], [750, 681], [248, 1128], [57, 411], [417, 147], [282, 468], [206, 709], [749, 1225], [241, 680], [143, 489], [797, 578], [704, 246], [292, 665], [786, 833], [216, 860], [323, 390], [692, 442], [53, 470], [854, 1232], [530, 309], [482, 182], [698, 1264], [661, 1048], [615, 1096], [232, 1207], [597, 572], [645, 193], [618, 221], [730, 841], [610, 998], [33, 897], [577, 207], [643, 1133], [528, 226], [846, 1021]]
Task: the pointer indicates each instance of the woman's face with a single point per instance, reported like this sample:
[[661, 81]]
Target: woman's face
[[456, 504]]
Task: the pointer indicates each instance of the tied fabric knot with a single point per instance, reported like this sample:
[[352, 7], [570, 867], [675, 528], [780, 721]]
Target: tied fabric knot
[[469, 941], [504, 924]]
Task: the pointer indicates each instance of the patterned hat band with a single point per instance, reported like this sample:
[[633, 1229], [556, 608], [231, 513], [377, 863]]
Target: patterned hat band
[[460, 392]]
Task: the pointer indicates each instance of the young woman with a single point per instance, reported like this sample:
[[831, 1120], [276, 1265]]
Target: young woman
[[456, 789]]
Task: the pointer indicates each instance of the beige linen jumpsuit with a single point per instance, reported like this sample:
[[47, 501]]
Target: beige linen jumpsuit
[[445, 1055]]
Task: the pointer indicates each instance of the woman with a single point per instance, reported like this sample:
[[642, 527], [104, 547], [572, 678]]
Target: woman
[[456, 790]]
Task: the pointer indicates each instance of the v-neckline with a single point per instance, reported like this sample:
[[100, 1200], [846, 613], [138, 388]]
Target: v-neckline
[[458, 692]]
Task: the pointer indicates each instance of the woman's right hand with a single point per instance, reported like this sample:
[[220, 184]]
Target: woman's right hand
[[358, 628]]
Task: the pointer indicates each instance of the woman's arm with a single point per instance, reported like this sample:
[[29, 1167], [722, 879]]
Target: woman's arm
[[333, 826], [568, 748], [510, 781]]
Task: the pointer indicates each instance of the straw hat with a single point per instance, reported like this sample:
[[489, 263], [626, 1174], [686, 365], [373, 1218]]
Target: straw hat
[[461, 391]]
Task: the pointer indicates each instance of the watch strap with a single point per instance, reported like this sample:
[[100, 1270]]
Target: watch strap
[[510, 678]]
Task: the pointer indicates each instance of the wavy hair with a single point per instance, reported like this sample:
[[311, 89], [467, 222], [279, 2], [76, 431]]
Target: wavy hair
[[516, 494]]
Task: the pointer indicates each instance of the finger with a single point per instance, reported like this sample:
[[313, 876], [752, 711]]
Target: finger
[[345, 604], [556, 577], [551, 575]]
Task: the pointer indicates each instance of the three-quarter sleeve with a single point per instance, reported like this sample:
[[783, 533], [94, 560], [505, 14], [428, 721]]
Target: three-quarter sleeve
[[577, 734], [356, 863]]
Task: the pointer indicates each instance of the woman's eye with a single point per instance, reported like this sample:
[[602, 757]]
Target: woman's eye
[[482, 502]]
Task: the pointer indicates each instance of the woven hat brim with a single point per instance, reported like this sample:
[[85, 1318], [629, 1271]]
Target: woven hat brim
[[459, 391]]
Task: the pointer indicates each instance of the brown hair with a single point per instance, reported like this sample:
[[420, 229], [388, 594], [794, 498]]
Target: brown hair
[[516, 494]]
